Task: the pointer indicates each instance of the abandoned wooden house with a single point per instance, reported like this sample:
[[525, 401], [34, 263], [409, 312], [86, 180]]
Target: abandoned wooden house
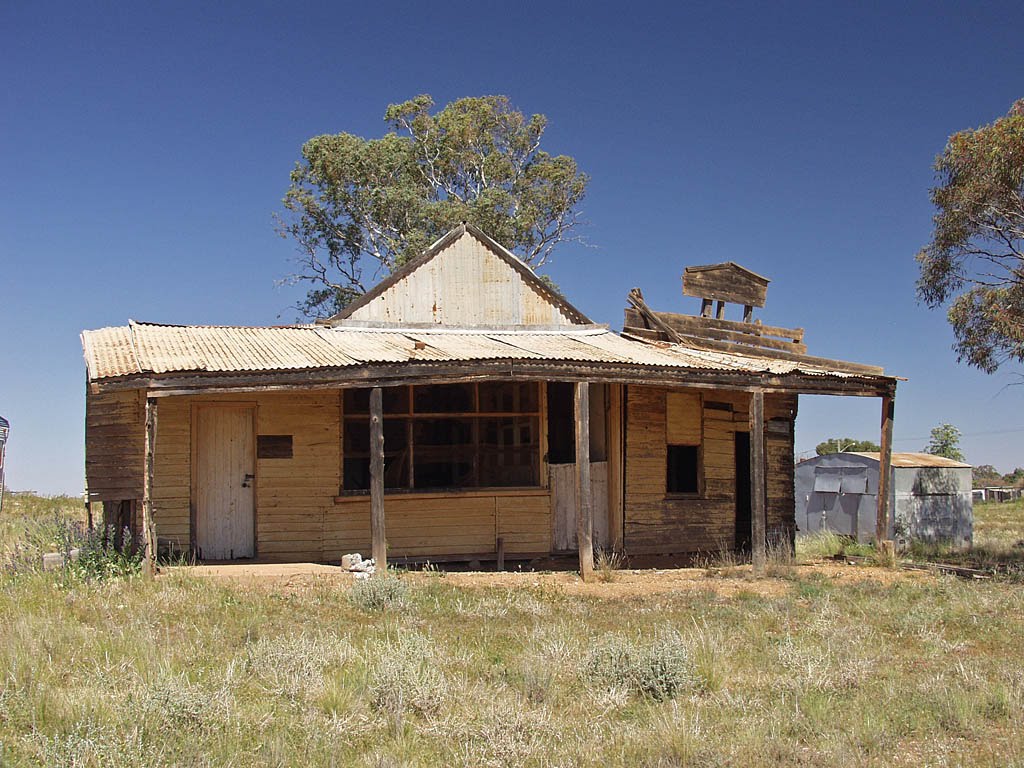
[[462, 409]]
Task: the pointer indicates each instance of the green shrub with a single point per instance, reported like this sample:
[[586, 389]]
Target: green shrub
[[657, 670], [379, 593], [100, 553]]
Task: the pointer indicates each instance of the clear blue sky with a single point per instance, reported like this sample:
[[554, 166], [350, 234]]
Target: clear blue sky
[[144, 148]]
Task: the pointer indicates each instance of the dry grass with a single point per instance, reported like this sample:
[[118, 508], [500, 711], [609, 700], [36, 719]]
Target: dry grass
[[813, 671], [609, 563], [998, 542]]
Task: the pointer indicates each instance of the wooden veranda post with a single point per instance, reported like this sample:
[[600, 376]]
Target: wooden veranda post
[[148, 527], [616, 511], [379, 545], [584, 506], [758, 502], [885, 469]]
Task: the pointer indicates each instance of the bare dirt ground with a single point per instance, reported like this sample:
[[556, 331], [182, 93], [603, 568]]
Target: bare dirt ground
[[624, 583]]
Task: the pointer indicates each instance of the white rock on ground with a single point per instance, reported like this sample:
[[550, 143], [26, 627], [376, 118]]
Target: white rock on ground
[[355, 564], [53, 561]]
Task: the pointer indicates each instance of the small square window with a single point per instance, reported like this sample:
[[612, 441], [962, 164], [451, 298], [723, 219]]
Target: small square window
[[273, 446], [683, 469]]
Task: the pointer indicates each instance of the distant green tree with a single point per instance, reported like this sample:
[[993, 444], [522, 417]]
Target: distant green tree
[[843, 444], [985, 476], [945, 441], [370, 205], [975, 260], [1015, 478]]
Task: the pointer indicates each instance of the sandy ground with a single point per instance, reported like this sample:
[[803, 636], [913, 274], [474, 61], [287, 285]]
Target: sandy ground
[[625, 584]]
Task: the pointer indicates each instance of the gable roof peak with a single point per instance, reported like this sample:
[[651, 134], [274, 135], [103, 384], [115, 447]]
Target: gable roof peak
[[464, 229]]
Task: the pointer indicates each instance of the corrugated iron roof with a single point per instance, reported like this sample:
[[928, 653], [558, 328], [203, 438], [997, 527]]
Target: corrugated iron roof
[[142, 348], [906, 460]]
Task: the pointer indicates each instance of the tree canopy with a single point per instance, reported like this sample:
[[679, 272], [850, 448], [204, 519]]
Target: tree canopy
[[975, 260], [358, 208], [945, 441], [843, 444]]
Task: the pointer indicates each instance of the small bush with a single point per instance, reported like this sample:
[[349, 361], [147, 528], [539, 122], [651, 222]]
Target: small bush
[[292, 666], [657, 670], [99, 553], [379, 593], [173, 699], [405, 678]]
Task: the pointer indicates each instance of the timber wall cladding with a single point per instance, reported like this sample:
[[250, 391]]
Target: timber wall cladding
[[114, 445], [465, 284], [435, 524], [292, 495], [657, 523]]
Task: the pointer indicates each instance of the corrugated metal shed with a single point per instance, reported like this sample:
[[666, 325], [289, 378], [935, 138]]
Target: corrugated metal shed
[[930, 497], [148, 348]]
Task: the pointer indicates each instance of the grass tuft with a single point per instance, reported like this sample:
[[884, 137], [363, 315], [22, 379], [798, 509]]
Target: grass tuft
[[380, 592], [609, 563], [405, 678]]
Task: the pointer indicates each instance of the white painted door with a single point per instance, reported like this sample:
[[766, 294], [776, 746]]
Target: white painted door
[[225, 477]]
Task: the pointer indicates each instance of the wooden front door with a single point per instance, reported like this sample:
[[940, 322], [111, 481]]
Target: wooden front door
[[225, 479]]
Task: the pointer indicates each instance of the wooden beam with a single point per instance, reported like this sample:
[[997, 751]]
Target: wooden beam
[[584, 507], [759, 351], [637, 300], [616, 454], [379, 546], [861, 384], [148, 527], [885, 469], [758, 502], [683, 322]]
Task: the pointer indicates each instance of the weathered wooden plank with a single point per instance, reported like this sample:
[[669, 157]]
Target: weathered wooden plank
[[885, 469], [148, 526], [616, 501], [725, 282], [757, 483], [584, 511], [683, 418], [701, 328], [693, 323], [380, 552]]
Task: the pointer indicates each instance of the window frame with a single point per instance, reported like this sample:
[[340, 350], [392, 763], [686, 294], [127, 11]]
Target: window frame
[[411, 417], [697, 494], [700, 492]]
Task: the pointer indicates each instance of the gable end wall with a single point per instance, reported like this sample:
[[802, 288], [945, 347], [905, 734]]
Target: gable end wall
[[464, 284]]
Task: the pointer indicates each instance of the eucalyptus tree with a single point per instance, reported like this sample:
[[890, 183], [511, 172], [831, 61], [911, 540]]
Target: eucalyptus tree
[[975, 260], [360, 208]]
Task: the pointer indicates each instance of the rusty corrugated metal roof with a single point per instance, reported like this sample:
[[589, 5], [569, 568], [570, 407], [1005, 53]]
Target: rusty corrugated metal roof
[[160, 349], [906, 460]]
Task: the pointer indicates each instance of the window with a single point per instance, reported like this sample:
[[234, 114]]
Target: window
[[683, 432], [683, 469], [447, 436]]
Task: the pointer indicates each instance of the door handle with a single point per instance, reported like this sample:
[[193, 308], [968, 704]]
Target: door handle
[[247, 482]]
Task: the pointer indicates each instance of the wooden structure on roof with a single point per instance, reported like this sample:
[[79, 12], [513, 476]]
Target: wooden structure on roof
[[726, 282], [462, 409]]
